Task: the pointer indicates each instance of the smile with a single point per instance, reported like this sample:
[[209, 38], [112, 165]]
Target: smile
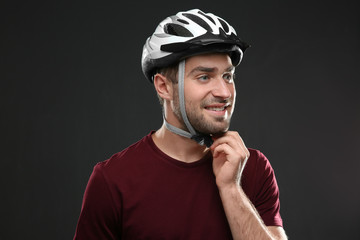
[[220, 108], [216, 108]]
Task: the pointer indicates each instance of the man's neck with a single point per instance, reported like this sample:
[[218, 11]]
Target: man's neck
[[178, 147]]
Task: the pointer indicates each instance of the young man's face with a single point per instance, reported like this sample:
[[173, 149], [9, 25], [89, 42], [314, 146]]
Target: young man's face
[[209, 93]]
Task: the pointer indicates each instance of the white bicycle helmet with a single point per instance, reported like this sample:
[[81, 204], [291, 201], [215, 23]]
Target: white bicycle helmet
[[186, 34], [183, 35]]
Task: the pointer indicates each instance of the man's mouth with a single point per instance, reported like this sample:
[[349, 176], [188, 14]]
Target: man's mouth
[[217, 107]]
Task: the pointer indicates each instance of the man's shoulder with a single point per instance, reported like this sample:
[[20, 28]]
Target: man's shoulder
[[257, 164], [128, 156], [257, 172], [257, 157]]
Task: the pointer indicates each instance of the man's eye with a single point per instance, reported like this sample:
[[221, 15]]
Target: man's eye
[[228, 77], [203, 78]]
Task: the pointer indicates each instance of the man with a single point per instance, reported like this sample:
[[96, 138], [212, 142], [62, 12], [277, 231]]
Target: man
[[192, 178]]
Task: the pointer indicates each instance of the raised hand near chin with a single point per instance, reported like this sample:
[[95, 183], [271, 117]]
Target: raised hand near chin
[[229, 158]]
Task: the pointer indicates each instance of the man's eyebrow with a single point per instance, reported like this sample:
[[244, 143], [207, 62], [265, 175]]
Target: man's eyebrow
[[230, 69], [202, 69], [208, 69]]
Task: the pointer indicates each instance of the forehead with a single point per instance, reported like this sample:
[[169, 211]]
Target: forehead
[[220, 61]]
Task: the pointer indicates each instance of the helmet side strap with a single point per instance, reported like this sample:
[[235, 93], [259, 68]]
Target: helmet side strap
[[182, 97]]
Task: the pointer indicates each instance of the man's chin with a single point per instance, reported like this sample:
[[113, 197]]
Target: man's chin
[[212, 126], [218, 134], [215, 131]]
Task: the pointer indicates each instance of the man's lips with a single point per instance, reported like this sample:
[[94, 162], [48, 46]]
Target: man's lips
[[217, 107]]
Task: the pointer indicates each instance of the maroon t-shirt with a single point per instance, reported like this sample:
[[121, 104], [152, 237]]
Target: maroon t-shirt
[[141, 193]]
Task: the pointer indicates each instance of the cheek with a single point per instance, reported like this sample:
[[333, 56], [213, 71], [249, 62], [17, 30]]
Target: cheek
[[194, 93]]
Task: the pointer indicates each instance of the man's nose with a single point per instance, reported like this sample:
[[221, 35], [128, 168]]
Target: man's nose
[[221, 88]]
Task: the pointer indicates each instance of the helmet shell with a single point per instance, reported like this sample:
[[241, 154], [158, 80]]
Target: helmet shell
[[187, 34]]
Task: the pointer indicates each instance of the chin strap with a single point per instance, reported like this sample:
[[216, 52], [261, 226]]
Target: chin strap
[[202, 139]]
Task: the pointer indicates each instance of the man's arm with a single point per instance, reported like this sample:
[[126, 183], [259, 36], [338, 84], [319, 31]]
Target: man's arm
[[230, 156], [98, 218]]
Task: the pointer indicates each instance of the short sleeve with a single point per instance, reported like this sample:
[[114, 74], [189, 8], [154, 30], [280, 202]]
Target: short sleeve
[[266, 199], [98, 218]]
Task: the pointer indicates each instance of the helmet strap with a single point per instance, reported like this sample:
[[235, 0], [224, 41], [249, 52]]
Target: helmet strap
[[202, 139], [182, 98]]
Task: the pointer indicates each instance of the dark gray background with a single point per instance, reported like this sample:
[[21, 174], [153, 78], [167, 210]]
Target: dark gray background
[[72, 93]]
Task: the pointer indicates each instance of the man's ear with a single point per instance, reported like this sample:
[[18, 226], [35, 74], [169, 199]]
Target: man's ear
[[163, 86]]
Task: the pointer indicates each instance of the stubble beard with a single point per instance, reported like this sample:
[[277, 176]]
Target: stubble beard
[[218, 125]]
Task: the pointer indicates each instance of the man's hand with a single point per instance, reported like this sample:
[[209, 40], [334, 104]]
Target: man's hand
[[229, 158]]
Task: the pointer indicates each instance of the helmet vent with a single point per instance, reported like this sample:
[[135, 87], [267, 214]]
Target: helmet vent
[[177, 30], [224, 25], [208, 17], [199, 21], [183, 21]]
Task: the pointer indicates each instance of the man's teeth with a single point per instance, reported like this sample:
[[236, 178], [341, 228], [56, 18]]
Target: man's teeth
[[216, 108]]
